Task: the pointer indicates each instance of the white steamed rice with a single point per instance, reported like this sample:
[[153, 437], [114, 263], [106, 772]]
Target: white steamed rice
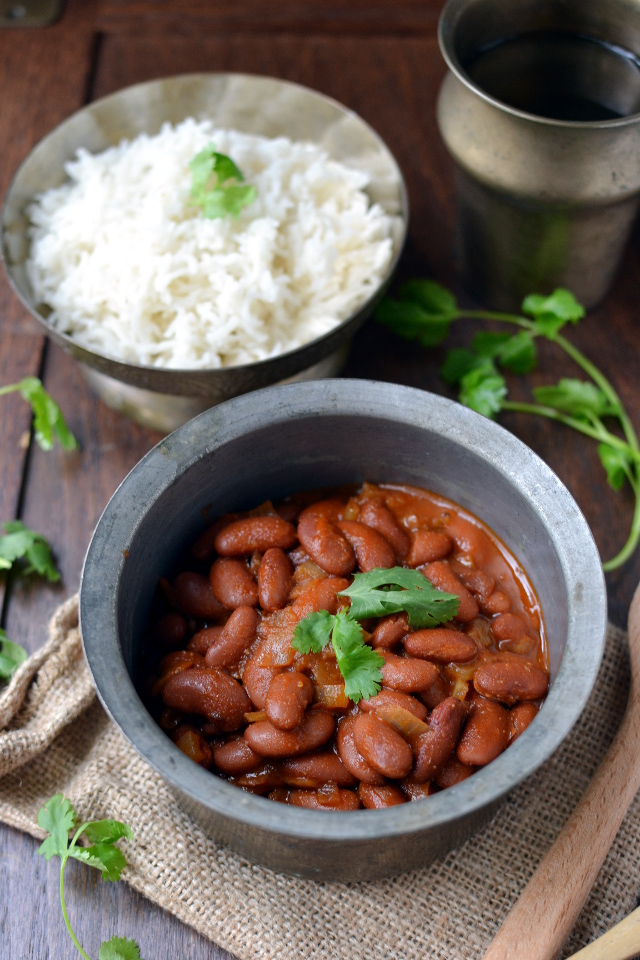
[[132, 270]]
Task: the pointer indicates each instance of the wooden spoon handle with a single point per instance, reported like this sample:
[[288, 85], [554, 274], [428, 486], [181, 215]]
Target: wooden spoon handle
[[547, 909], [620, 943]]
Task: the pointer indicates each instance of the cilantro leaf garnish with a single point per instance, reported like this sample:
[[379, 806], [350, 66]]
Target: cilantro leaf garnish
[[20, 543], [48, 420], [483, 390], [412, 322], [59, 818], [575, 396], [11, 656], [561, 305], [374, 594], [379, 593], [617, 465], [313, 633], [119, 948], [215, 185], [359, 664], [431, 296]]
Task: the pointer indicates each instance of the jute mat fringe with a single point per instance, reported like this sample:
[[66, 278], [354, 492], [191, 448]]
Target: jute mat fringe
[[55, 737]]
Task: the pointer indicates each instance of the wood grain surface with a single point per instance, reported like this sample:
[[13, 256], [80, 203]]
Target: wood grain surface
[[379, 58]]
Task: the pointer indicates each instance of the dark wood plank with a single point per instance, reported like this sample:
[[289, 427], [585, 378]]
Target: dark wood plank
[[42, 80], [191, 17]]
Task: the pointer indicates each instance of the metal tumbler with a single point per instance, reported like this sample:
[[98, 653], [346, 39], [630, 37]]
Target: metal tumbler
[[540, 110]]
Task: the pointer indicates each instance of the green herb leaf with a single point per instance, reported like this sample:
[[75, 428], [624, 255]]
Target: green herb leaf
[[483, 390], [110, 860], [519, 354], [119, 948], [359, 664], [410, 321], [215, 185], [551, 313], [381, 592], [617, 464], [313, 633], [431, 296], [48, 420], [57, 817], [20, 543], [458, 363], [11, 656], [577, 397], [107, 831]]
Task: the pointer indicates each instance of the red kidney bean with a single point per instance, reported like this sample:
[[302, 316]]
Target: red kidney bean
[[377, 516], [481, 584], [192, 595], [331, 800], [320, 595], [436, 693], [498, 602], [237, 635], [204, 547], [263, 779], [233, 584], [354, 761], [210, 693], [394, 698], [267, 740], [370, 547], [407, 674], [389, 631], [520, 717], [235, 756], [433, 748], [173, 663], [257, 679], [511, 680], [427, 546], [315, 770], [508, 626], [378, 798], [275, 579], [485, 735], [331, 509], [170, 631], [442, 577], [441, 645], [415, 791], [325, 544], [453, 772], [188, 739], [242, 537], [382, 746], [202, 640], [289, 695]]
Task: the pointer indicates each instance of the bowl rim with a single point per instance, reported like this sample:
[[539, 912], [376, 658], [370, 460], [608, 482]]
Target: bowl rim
[[97, 359], [568, 531]]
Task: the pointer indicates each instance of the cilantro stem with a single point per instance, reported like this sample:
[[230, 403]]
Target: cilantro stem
[[601, 433], [634, 534], [64, 906], [493, 315]]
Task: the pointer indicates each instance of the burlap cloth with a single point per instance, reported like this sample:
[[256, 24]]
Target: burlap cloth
[[56, 738]]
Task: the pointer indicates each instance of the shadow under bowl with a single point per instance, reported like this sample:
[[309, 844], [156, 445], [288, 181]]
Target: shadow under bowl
[[274, 442], [158, 397]]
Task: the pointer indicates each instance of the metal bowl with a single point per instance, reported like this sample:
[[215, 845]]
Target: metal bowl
[[271, 443], [164, 399]]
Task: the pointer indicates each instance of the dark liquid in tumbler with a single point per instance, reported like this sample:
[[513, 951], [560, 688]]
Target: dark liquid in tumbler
[[559, 76]]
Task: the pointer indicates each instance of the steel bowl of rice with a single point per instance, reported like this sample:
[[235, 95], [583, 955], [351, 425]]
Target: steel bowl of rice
[[194, 238]]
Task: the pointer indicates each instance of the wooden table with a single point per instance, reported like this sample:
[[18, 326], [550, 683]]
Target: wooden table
[[380, 57]]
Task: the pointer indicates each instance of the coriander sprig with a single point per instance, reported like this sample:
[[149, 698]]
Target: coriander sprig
[[19, 544], [377, 593], [215, 185], [48, 419], [425, 311], [59, 818]]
